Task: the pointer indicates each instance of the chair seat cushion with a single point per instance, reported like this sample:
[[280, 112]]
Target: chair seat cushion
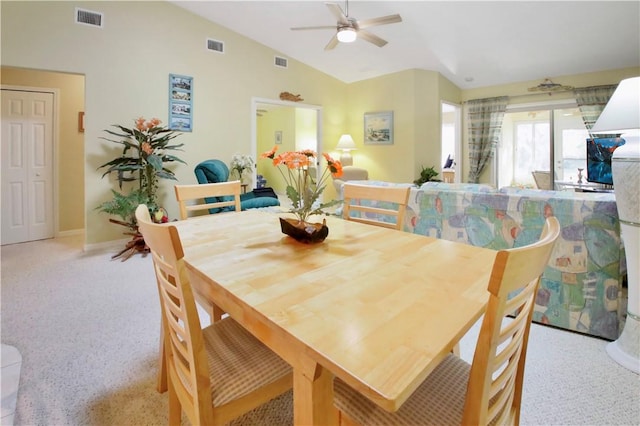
[[238, 362], [258, 202], [438, 401]]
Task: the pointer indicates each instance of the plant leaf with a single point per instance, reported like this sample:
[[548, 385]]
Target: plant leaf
[[155, 161]]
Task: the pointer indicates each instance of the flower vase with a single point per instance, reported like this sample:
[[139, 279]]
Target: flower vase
[[304, 232], [246, 178]]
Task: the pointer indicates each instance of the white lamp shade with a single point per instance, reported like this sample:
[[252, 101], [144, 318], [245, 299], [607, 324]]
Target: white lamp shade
[[622, 112], [346, 143], [346, 35]]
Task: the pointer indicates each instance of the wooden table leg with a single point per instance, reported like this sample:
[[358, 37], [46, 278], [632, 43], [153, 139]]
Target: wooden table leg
[[313, 397]]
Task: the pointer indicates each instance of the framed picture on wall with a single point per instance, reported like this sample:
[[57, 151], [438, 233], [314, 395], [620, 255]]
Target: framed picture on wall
[[378, 128], [180, 102]]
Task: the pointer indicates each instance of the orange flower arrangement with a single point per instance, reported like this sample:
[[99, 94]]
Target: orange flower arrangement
[[302, 189]]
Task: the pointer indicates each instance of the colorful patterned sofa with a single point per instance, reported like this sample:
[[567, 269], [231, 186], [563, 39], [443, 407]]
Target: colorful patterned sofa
[[581, 288]]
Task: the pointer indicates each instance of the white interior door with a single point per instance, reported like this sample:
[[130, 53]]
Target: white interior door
[[27, 166]]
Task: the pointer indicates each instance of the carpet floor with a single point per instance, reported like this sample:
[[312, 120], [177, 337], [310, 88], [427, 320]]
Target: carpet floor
[[88, 328]]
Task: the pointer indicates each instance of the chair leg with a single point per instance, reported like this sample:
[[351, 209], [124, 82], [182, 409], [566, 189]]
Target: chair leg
[[162, 364], [175, 410]]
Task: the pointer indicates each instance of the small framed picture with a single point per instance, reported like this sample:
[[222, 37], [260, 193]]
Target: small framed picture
[[378, 128], [278, 137], [180, 102]]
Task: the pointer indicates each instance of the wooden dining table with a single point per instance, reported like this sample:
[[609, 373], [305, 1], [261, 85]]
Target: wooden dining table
[[376, 307]]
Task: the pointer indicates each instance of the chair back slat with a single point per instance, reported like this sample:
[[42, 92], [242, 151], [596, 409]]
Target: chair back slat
[[495, 385], [372, 204], [190, 197]]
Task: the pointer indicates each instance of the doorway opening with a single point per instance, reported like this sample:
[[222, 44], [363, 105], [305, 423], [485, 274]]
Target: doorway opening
[[450, 141], [290, 127]]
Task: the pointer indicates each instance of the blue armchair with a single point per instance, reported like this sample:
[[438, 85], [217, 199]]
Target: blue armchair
[[214, 171]]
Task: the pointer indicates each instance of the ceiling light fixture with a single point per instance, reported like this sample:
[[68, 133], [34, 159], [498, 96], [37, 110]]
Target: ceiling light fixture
[[346, 34]]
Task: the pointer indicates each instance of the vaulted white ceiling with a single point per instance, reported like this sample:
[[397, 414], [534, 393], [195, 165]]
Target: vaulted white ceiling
[[471, 43]]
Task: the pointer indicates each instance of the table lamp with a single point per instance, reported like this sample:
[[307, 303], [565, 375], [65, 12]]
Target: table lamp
[[621, 115], [346, 144]]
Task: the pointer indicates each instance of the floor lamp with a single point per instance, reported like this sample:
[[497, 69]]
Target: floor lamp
[[621, 115]]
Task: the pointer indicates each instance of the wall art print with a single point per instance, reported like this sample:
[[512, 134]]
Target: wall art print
[[180, 103], [378, 128]]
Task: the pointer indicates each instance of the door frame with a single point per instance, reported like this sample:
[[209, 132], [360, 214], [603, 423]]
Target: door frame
[[55, 148]]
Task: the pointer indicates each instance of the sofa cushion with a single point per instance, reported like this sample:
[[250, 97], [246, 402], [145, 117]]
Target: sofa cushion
[[465, 187]]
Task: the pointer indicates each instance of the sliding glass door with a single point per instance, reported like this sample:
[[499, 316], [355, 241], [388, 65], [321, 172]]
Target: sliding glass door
[[534, 138]]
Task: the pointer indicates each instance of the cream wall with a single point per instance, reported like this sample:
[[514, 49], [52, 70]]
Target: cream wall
[[518, 94], [126, 65], [69, 150]]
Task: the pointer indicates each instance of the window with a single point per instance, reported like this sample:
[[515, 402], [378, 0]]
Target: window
[[535, 137]]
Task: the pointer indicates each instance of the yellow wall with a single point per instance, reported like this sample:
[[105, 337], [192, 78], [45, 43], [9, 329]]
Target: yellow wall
[[69, 150], [126, 66], [414, 97]]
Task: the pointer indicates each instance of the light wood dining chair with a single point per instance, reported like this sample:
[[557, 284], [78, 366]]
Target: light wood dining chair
[[187, 195], [214, 374], [371, 212], [489, 390], [542, 178]]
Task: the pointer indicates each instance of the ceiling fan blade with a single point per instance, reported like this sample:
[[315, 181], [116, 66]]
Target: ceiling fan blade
[[383, 20], [371, 38], [322, 27], [338, 13], [332, 43]]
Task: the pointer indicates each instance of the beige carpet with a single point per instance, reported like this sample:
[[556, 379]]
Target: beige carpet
[[87, 328]]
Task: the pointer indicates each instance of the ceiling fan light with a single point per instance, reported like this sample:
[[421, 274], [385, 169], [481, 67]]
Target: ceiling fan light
[[346, 35]]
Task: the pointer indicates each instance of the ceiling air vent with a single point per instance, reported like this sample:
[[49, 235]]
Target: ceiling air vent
[[280, 62], [88, 17], [215, 45]]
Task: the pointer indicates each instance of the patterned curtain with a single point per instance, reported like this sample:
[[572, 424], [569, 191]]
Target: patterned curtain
[[591, 101], [485, 123]]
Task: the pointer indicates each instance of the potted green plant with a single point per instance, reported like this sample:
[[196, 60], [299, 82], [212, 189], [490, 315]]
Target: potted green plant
[[143, 159], [427, 174]]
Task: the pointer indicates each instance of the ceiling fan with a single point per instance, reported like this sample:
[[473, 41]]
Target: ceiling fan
[[348, 28]]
